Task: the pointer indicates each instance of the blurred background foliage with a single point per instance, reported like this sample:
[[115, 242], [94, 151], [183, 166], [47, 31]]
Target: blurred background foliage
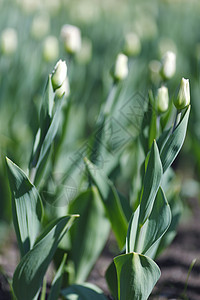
[[34, 27]]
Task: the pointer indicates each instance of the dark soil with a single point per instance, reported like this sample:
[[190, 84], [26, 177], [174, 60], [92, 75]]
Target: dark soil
[[174, 263]]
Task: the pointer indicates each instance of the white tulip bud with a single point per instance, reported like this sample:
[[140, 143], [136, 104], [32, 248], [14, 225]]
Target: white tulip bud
[[59, 74], [154, 70], [121, 67], [162, 99], [50, 48], [168, 65], [71, 36], [183, 98], [64, 89], [132, 46], [9, 41]]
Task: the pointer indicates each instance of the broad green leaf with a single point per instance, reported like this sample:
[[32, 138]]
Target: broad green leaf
[[27, 207], [111, 202], [93, 226], [86, 291], [151, 184], [156, 225], [174, 142], [30, 271], [57, 281], [136, 274], [111, 278]]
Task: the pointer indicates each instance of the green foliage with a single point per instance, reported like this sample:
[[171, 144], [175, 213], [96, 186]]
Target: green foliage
[[173, 144], [57, 281], [83, 253], [136, 275], [111, 202], [83, 292], [29, 273], [117, 167], [27, 207]]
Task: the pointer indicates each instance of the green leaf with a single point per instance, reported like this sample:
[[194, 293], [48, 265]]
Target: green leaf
[[46, 115], [176, 207], [111, 278], [50, 135], [93, 226], [47, 102], [57, 281], [151, 184], [152, 128], [156, 225], [44, 288], [136, 274], [27, 207], [174, 142], [111, 202], [29, 273], [132, 231], [86, 291], [163, 139]]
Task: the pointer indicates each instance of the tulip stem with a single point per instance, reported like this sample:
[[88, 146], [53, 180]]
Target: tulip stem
[[110, 100], [158, 124]]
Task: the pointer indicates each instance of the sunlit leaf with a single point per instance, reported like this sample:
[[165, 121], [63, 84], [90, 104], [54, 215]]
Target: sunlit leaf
[[86, 291], [136, 274]]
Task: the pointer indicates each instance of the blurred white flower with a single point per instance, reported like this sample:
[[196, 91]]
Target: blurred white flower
[[85, 54], [9, 41], [64, 89], [50, 48], [162, 99], [40, 26], [71, 36], [168, 68], [132, 45], [59, 74], [154, 69], [121, 67], [183, 98]]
